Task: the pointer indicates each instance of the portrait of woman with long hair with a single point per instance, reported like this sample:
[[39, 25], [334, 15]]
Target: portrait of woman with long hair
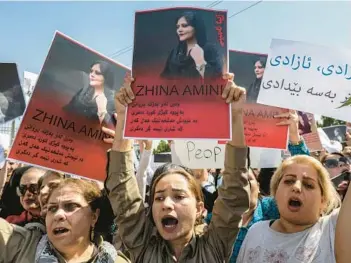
[[96, 100], [253, 90], [194, 56]]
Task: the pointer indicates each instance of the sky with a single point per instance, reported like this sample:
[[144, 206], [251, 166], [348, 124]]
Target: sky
[[27, 28]]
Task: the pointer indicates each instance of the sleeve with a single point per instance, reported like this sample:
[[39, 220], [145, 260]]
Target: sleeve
[[141, 172], [12, 239], [232, 202], [299, 149], [126, 202]]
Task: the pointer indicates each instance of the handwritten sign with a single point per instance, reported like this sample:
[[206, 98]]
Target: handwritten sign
[[298, 73], [259, 122], [197, 154], [61, 129], [178, 93]]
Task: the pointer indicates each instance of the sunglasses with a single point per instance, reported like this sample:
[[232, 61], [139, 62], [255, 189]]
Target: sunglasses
[[32, 188], [334, 163]]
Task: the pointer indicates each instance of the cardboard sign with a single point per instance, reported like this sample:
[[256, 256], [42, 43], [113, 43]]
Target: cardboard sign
[[178, 75], [259, 122], [12, 102], [196, 154], [298, 72], [73, 98]]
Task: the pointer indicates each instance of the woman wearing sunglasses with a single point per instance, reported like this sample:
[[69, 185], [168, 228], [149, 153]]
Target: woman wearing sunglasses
[[28, 192], [336, 164]]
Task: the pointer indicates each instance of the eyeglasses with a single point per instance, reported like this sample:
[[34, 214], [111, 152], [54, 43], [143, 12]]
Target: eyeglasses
[[334, 163], [32, 188]]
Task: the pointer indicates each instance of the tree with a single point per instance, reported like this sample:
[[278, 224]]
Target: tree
[[327, 121], [162, 147]]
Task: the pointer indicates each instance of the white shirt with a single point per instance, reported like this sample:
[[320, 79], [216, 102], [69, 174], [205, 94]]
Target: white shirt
[[262, 244]]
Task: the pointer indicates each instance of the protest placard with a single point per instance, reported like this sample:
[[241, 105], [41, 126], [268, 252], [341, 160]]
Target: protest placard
[[336, 133], [12, 102], [308, 78], [197, 154], [259, 123], [73, 98], [29, 81], [180, 55], [308, 130]]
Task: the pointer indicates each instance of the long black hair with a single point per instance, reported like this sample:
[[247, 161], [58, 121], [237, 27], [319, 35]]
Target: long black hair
[[194, 20], [87, 97], [263, 62]]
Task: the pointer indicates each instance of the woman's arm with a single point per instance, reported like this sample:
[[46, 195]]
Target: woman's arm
[[296, 145], [121, 184], [14, 239], [343, 231], [233, 194], [143, 165]]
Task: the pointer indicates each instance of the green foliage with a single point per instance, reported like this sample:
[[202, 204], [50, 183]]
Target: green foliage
[[327, 121], [162, 147]]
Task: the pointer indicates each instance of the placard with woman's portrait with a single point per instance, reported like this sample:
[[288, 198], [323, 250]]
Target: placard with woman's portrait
[[259, 122], [72, 100], [179, 58]]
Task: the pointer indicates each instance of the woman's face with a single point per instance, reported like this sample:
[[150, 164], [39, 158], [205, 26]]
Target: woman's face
[[299, 196], [69, 219], [259, 69], [48, 183], [175, 208], [184, 30], [95, 77], [29, 193], [335, 165]]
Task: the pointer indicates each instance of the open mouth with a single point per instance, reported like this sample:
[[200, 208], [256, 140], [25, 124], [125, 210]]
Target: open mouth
[[60, 230], [294, 204], [169, 222]]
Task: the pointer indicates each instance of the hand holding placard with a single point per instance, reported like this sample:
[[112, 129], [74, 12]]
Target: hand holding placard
[[237, 96], [123, 97], [290, 118]]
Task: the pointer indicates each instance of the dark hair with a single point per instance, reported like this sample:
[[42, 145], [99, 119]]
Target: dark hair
[[187, 173], [194, 20], [263, 61], [106, 71]]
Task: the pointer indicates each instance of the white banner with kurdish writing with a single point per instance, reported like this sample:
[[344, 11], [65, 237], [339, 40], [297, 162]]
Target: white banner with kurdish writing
[[206, 154], [308, 78]]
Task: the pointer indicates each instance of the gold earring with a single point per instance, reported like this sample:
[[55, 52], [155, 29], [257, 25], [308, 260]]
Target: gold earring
[[92, 234]]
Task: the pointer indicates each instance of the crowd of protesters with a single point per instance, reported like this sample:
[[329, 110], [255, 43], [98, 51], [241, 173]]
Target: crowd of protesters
[[296, 212]]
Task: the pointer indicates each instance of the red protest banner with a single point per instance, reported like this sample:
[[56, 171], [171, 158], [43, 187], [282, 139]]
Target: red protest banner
[[178, 81], [73, 98], [259, 122]]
